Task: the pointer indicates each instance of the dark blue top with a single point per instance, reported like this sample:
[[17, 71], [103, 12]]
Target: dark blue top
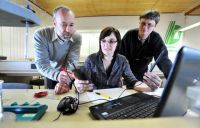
[[94, 71]]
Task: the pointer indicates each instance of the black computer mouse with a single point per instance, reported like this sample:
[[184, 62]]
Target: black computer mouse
[[68, 105]]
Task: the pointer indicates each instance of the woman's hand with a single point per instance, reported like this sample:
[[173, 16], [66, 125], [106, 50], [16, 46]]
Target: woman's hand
[[83, 85], [61, 88], [141, 87]]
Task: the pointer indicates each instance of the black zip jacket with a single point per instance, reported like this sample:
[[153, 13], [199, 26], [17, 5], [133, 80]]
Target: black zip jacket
[[140, 55]]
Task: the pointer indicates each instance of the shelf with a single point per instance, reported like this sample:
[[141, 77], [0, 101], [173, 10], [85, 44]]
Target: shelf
[[14, 15]]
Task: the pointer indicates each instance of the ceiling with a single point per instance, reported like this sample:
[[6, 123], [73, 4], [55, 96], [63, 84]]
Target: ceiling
[[88, 8]]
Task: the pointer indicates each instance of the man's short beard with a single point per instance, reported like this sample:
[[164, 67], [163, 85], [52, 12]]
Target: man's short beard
[[63, 36], [67, 37]]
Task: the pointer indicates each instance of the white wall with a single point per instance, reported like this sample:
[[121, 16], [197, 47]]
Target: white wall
[[12, 39], [192, 36], [90, 28], [124, 23]]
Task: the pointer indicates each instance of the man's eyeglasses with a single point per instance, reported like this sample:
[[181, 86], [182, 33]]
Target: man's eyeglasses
[[110, 41], [149, 25]]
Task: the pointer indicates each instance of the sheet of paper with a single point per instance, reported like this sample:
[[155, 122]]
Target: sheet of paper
[[113, 93], [158, 92]]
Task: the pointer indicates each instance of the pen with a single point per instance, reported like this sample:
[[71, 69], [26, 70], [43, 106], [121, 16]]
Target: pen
[[103, 95], [157, 60]]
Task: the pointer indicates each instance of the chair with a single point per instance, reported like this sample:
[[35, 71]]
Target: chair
[[16, 86], [3, 57], [37, 82]]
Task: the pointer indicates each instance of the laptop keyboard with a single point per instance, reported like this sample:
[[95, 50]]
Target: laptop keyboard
[[138, 110], [138, 105]]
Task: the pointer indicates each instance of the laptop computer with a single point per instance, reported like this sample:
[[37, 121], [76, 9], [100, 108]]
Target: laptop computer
[[173, 102]]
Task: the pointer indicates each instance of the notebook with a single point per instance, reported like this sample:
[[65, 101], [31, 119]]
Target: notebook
[[173, 102]]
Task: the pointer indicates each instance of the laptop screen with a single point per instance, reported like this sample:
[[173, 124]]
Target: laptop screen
[[185, 70]]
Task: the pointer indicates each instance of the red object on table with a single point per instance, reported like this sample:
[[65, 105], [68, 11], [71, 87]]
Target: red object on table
[[40, 94]]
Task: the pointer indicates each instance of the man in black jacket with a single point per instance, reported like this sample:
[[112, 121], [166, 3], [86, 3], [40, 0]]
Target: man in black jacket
[[141, 45]]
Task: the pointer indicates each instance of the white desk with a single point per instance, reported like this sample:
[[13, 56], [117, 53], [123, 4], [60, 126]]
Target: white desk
[[18, 68], [52, 100], [82, 118], [32, 72], [17, 71], [137, 123]]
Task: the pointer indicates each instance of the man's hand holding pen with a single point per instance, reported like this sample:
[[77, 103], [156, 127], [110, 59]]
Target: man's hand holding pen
[[65, 76], [152, 80], [61, 88]]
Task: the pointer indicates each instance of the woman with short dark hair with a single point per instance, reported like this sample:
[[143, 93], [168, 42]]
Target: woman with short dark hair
[[105, 68]]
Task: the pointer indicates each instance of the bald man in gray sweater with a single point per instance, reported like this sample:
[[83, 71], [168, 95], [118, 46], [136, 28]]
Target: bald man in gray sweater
[[56, 47]]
